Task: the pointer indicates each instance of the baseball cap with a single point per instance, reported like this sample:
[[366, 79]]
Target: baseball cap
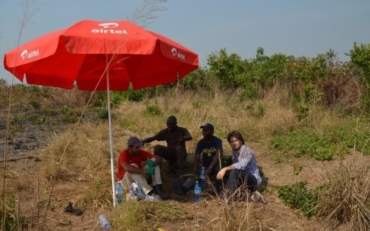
[[208, 126], [134, 141]]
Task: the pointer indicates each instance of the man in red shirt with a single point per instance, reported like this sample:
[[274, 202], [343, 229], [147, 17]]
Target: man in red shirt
[[130, 168]]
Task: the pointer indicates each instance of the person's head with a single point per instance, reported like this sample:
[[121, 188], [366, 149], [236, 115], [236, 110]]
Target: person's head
[[134, 145], [235, 140], [207, 130], [171, 122]]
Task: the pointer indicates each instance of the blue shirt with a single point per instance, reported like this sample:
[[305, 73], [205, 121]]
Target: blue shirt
[[208, 149], [245, 160]]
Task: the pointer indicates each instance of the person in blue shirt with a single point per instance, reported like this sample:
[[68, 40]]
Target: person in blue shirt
[[208, 154]]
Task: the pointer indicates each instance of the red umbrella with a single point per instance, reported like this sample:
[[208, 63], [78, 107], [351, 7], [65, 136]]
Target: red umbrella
[[101, 55]]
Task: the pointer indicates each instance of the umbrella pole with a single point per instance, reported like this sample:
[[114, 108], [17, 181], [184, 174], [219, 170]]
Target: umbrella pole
[[111, 142]]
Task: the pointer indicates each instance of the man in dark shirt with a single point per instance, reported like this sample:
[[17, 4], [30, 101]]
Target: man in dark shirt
[[175, 137], [208, 155]]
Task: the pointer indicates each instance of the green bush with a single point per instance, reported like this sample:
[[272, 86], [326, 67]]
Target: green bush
[[308, 142], [299, 197], [153, 110], [102, 112]]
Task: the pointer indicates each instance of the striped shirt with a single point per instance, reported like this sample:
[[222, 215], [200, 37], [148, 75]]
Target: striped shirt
[[245, 160]]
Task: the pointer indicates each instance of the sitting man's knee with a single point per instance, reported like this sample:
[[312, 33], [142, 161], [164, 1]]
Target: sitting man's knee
[[157, 150], [234, 173], [180, 149]]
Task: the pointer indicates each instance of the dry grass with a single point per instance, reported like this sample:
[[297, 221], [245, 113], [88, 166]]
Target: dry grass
[[347, 198], [83, 174]]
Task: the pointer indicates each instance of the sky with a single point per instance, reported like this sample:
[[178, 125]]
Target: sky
[[299, 28]]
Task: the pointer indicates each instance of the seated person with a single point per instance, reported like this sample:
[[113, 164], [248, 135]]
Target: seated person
[[130, 168], [244, 172], [210, 148], [175, 137]]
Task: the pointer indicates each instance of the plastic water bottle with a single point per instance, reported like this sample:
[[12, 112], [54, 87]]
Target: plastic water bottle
[[203, 174], [133, 189], [119, 192], [203, 177], [197, 191], [151, 198], [104, 222], [136, 191]]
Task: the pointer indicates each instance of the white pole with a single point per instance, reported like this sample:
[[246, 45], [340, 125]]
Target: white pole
[[110, 141]]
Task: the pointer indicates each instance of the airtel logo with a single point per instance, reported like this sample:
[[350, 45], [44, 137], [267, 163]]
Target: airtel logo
[[25, 54], [177, 54], [107, 28], [108, 25]]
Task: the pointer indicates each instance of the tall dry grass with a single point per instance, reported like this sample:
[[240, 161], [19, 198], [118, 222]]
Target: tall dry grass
[[29, 9], [346, 200], [85, 166]]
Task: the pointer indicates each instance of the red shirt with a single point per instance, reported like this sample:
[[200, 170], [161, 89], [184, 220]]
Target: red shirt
[[125, 156]]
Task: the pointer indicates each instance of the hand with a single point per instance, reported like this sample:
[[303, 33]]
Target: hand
[[150, 171], [180, 137], [221, 174], [208, 171], [151, 163]]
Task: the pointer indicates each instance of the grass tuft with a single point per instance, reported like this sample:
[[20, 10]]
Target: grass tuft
[[143, 214], [347, 198]]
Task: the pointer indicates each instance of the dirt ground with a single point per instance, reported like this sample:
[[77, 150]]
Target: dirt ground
[[22, 173]]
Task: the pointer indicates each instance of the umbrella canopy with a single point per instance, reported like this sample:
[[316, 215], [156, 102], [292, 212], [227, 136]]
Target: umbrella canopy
[[84, 51], [101, 55]]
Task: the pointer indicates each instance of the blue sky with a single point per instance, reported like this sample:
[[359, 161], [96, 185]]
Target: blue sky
[[298, 28]]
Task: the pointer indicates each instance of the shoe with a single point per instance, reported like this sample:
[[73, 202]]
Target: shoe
[[223, 196], [257, 197], [157, 189], [70, 209], [176, 186]]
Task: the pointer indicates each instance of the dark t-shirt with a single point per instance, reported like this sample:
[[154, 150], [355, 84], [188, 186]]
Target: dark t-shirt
[[208, 149], [171, 136]]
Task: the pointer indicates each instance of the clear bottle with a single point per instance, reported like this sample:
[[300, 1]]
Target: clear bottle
[[133, 189], [151, 198], [203, 174], [119, 192], [104, 222], [140, 192], [203, 178], [197, 191]]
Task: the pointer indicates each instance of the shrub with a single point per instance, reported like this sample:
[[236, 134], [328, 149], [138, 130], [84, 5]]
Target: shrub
[[298, 196], [102, 112], [309, 142], [153, 110]]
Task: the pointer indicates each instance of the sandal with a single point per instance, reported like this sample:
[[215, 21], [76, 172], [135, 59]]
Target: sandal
[[70, 209]]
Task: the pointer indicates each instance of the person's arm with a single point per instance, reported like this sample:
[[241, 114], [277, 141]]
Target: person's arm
[[221, 173], [132, 169], [214, 162], [149, 139], [187, 136], [184, 135]]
